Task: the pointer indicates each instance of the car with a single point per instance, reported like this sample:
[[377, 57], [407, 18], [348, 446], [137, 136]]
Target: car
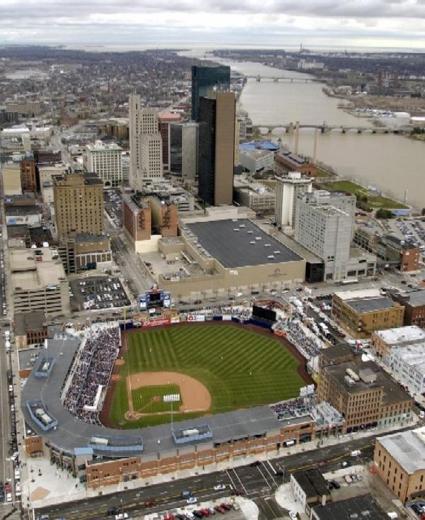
[[344, 463], [186, 493], [220, 509], [191, 500], [121, 516], [219, 487]]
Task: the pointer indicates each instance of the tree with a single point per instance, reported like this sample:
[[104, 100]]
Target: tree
[[384, 213]]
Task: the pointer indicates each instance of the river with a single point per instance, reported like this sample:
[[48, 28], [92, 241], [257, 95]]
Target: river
[[391, 163]]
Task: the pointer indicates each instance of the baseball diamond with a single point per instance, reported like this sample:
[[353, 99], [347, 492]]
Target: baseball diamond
[[215, 367]]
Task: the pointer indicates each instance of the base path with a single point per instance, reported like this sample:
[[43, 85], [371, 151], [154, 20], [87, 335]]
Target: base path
[[194, 395]]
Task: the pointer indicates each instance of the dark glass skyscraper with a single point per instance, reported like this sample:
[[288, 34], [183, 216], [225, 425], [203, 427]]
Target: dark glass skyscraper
[[216, 148], [204, 81]]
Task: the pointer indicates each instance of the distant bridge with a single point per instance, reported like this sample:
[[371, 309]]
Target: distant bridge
[[277, 79], [325, 128]]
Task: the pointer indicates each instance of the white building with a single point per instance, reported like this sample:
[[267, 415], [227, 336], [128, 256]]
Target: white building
[[256, 160], [151, 157], [143, 122], [105, 161], [408, 366], [287, 190], [324, 225]]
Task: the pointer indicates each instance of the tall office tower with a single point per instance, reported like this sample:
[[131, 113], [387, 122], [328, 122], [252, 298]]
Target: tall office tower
[[206, 80], [105, 161], [78, 201], [143, 122], [166, 120], [184, 149], [190, 150], [216, 150], [324, 225], [287, 190], [151, 160], [134, 138]]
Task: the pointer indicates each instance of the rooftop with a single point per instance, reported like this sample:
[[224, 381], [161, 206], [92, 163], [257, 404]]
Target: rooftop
[[240, 243], [259, 145], [33, 269], [370, 375], [416, 298], [26, 321], [407, 448], [361, 508], [312, 482], [373, 304], [412, 355], [100, 146], [408, 334]]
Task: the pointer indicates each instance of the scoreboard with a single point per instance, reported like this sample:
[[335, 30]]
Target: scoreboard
[[154, 298]]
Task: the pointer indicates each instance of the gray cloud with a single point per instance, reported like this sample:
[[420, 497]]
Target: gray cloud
[[81, 11], [179, 20]]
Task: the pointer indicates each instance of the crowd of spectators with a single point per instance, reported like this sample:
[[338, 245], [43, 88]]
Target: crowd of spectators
[[293, 408], [92, 367], [308, 344]]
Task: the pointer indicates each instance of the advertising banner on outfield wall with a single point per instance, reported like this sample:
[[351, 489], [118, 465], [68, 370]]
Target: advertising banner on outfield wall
[[157, 322], [227, 317], [195, 317]]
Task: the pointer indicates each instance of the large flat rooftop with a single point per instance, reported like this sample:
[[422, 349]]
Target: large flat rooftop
[[408, 334], [378, 303], [240, 243], [407, 448]]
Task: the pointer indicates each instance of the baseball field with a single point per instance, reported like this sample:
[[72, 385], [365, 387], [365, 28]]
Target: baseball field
[[206, 368]]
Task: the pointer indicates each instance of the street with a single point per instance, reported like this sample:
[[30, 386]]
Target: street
[[256, 481]]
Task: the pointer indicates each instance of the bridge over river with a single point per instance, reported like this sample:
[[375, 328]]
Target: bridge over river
[[325, 128]]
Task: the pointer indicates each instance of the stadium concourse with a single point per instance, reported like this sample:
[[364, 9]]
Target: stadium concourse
[[63, 395]]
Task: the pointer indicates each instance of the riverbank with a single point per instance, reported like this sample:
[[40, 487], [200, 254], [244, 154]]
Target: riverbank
[[368, 199]]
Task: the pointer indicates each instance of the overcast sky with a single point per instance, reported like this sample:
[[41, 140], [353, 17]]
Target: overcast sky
[[159, 23]]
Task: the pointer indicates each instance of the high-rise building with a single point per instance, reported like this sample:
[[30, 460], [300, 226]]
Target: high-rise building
[[190, 150], [216, 148], [206, 80], [184, 149], [166, 120], [105, 161], [78, 201], [324, 225], [151, 160], [287, 190], [145, 144]]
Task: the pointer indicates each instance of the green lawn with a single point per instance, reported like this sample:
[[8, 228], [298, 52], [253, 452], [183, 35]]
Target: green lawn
[[239, 367], [374, 201], [148, 399]]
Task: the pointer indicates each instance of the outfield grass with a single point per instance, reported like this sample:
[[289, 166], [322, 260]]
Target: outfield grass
[[148, 399], [239, 367], [374, 201]]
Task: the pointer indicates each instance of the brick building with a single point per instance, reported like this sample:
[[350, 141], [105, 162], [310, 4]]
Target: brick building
[[400, 461], [363, 393], [414, 305], [362, 312]]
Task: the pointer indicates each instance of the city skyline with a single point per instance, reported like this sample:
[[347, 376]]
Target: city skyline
[[278, 23]]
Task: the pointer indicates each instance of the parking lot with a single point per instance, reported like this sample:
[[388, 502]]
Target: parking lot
[[98, 292], [113, 206]]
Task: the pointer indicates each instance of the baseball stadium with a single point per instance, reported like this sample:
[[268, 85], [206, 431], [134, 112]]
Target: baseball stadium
[[160, 395]]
